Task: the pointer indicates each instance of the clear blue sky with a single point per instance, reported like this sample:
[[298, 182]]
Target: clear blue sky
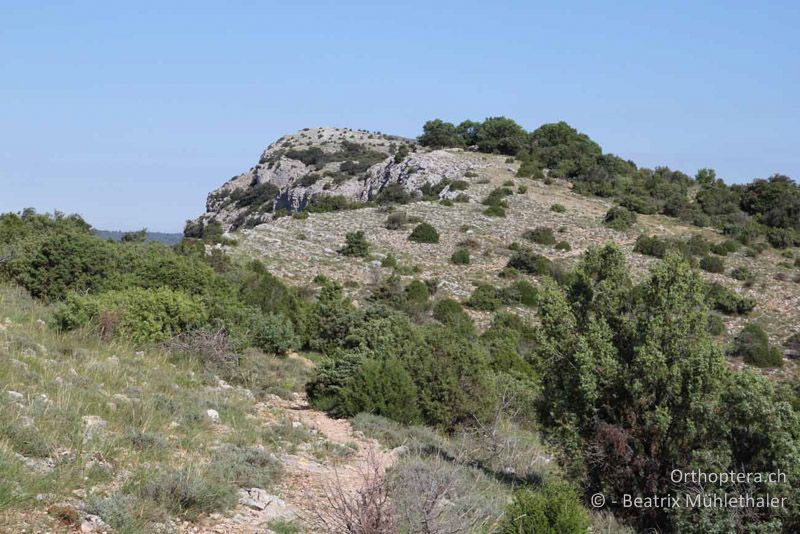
[[130, 113]]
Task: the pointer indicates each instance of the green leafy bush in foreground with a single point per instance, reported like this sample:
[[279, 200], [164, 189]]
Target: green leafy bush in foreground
[[551, 509], [141, 315], [273, 333]]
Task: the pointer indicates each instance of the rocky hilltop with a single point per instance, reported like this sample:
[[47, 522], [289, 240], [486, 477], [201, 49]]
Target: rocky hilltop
[[319, 166]]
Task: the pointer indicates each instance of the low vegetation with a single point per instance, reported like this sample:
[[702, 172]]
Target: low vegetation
[[136, 367]]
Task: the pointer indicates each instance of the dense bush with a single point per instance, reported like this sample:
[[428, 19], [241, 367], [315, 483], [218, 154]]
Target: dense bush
[[520, 292], [529, 262], [752, 345], [563, 246], [140, 315], [448, 373], [552, 509], [716, 327], [485, 298], [698, 245], [416, 297], [460, 257], [452, 379], [381, 387], [725, 247], [727, 301], [541, 235], [495, 211], [439, 134], [651, 246], [712, 264], [424, 233], [273, 333], [497, 197], [355, 245], [450, 313], [396, 220], [743, 274], [558, 208], [619, 218], [494, 135], [619, 342], [50, 265]]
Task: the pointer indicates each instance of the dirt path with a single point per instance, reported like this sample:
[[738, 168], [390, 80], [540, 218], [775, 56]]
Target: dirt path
[[307, 481]]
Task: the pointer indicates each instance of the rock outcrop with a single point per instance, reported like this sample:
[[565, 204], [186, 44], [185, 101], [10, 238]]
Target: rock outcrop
[[344, 166]]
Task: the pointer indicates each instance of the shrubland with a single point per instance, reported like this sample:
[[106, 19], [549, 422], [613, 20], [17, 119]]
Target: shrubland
[[610, 381]]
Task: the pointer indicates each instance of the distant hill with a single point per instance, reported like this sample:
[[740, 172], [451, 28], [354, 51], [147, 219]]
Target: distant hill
[[161, 237]]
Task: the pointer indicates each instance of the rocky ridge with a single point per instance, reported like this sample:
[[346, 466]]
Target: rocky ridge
[[351, 165]]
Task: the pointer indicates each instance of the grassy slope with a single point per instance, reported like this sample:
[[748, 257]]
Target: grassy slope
[[299, 249], [158, 442]]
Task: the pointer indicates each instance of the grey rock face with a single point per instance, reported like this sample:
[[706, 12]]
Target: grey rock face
[[319, 162]]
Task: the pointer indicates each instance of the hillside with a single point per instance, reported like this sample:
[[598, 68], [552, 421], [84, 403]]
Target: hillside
[[478, 331], [298, 248]]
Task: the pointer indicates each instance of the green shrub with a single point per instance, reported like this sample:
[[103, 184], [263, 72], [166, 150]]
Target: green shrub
[[783, 237], [450, 313], [712, 264], [485, 298], [389, 261], [742, 274], [715, 327], [495, 211], [521, 190], [497, 197], [520, 292], [659, 247], [188, 491], [300, 215], [416, 295], [723, 299], [273, 333], [460, 257], [698, 245], [424, 233], [381, 388], [553, 509], [246, 467], [459, 185], [452, 379], [529, 262], [396, 220], [558, 208], [752, 345], [541, 235], [401, 154], [322, 203], [563, 246], [639, 204], [725, 247], [49, 266], [619, 218], [141, 315], [355, 245]]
